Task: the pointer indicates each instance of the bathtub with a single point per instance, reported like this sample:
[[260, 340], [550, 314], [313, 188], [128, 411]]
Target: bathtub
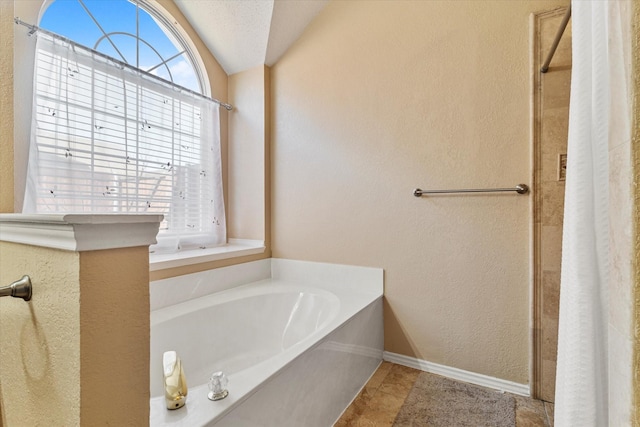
[[297, 342]]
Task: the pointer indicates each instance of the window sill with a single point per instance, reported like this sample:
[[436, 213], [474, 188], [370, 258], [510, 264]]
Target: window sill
[[235, 248]]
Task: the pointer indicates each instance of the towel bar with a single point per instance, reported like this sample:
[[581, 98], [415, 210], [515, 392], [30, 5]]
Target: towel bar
[[18, 289], [520, 189]]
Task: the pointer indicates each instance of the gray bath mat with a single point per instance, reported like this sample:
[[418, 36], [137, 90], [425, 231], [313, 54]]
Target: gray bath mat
[[435, 401]]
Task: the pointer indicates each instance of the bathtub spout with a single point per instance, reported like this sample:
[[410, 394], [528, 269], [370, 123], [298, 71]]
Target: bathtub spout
[[175, 383]]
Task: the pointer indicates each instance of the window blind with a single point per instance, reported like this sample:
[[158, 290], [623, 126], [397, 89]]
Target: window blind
[[108, 139]]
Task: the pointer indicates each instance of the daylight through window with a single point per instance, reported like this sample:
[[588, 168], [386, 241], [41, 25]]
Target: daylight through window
[[110, 139]]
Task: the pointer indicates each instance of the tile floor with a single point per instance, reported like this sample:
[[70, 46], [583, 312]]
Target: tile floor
[[382, 397]]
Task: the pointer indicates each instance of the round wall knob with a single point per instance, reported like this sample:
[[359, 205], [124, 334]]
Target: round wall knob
[[218, 386]]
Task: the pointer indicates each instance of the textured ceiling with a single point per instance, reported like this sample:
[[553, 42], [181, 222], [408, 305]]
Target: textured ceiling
[[243, 34]]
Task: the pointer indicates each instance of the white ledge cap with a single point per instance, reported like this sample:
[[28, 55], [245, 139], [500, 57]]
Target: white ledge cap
[[80, 232]]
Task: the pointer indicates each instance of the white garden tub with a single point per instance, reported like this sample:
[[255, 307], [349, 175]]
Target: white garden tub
[[296, 347]]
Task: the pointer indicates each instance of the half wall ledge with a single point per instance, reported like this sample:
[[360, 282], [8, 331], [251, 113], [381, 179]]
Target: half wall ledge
[[80, 232]]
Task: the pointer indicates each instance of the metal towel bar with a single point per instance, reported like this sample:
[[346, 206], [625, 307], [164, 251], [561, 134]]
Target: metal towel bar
[[520, 189], [18, 289]]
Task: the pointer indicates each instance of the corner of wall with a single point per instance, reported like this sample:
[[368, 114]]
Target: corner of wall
[[6, 110], [635, 147], [248, 150], [267, 159]]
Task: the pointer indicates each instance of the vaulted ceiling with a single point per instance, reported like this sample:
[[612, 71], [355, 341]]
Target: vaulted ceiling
[[243, 34]]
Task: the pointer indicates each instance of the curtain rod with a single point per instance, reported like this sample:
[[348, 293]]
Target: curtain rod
[[35, 28], [556, 41]]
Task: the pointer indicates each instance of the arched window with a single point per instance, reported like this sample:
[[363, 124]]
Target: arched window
[[114, 129], [133, 32]]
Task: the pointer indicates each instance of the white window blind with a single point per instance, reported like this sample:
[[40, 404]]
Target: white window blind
[[107, 138]]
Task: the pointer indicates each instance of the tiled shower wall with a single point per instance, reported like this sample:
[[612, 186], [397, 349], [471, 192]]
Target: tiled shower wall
[[551, 119]]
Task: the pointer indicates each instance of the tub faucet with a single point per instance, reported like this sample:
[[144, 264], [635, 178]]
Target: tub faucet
[[175, 383], [218, 386]]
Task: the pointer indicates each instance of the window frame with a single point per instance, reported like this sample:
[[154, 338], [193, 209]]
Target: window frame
[[215, 86], [187, 49]]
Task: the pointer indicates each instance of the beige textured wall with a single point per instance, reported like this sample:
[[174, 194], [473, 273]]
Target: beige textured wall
[[23, 65], [6, 110], [40, 351], [115, 334], [377, 98], [247, 149], [78, 352], [635, 147]]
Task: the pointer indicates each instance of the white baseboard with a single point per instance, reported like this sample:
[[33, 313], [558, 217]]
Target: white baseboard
[[458, 374]]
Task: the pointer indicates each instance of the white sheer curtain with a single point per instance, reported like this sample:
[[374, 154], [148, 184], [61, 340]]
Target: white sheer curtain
[[582, 386], [107, 138]]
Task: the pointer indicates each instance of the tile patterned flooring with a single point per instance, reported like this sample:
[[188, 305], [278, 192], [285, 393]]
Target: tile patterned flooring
[[382, 397]]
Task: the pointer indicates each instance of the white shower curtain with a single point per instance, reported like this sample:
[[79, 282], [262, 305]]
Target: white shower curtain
[[582, 369]]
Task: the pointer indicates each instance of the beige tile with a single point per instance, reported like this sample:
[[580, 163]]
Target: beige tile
[[551, 294], [529, 419], [548, 29], [347, 419], [359, 405], [385, 402], [548, 390], [405, 378], [395, 388], [353, 412], [376, 419], [537, 210], [379, 376], [551, 247], [399, 380], [562, 57], [367, 392], [554, 120], [381, 398], [549, 408], [379, 408], [556, 87], [530, 412], [549, 338], [552, 203], [530, 404], [405, 370], [554, 131], [359, 421]]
